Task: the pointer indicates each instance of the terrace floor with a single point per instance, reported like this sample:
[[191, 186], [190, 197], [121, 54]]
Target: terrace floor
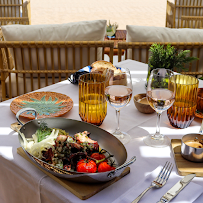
[[124, 12]]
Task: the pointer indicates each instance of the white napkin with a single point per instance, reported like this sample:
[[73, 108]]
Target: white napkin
[[190, 193]]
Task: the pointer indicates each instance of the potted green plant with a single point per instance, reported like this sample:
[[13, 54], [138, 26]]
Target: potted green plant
[[111, 29], [168, 57]]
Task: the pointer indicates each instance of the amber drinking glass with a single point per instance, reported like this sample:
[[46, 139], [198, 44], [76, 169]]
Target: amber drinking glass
[[182, 112], [92, 102]]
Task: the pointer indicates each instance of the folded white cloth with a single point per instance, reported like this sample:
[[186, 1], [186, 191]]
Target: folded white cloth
[[190, 193]]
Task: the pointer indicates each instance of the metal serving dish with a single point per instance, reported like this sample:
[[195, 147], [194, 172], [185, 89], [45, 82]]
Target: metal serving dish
[[191, 153], [105, 139]]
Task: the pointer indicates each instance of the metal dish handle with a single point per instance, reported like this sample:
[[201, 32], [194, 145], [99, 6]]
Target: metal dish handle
[[112, 173], [22, 111]]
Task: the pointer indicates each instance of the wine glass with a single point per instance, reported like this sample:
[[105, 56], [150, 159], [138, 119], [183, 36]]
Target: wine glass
[[161, 90], [118, 93]]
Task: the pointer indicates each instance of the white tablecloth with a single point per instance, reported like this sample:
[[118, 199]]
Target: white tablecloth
[[21, 182]]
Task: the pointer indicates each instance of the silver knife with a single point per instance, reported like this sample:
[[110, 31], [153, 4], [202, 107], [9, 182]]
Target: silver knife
[[176, 188]]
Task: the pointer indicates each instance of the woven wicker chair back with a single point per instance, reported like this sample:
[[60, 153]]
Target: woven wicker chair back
[[192, 22], [14, 12], [139, 51], [179, 8], [27, 66]]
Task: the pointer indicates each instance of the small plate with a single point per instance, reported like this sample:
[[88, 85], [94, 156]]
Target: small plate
[[198, 114], [47, 104]]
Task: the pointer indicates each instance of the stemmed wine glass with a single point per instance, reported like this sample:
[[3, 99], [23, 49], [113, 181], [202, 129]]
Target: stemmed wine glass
[[118, 93], [161, 90]]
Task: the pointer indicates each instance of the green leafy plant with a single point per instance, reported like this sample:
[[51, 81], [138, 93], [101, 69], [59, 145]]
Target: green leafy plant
[[112, 25], [169, 57], [111, 29]]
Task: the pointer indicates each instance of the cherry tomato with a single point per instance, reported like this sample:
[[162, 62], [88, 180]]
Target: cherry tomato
[[86, 165], [103, 167], [98, 156]]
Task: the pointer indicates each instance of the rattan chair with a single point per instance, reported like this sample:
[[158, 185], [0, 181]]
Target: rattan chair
[[14, 20], [179, 8], [27, 66], [192, 22], [139, 51], [15, 12], [195, 74]]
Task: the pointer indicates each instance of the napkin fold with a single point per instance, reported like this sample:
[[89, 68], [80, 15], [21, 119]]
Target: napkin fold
[[73, 78], [189, 194]]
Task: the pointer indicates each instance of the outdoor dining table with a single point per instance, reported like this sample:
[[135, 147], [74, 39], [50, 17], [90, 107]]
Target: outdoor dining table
[[21, 182]]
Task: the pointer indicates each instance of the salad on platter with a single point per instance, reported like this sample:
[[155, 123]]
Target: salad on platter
[[78, 153]]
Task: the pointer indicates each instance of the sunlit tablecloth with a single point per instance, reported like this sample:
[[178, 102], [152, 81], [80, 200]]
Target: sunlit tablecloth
[[21, 182]]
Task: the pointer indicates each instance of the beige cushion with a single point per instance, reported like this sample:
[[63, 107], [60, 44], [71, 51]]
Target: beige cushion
[[163, 34], [77, 31]]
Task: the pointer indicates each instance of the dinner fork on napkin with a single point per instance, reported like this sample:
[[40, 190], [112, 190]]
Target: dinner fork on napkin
[[188, 195], [159, 181]]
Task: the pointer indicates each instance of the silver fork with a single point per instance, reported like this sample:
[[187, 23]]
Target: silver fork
[[159, 181]]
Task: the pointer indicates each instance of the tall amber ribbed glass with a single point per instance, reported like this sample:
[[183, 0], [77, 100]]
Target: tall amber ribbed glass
[[92, 102], [182, 113]]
